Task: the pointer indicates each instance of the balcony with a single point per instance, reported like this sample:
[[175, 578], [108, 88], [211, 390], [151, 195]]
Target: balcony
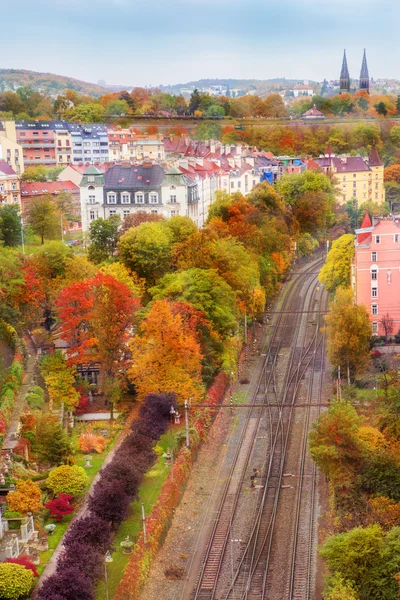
[[44, 144]]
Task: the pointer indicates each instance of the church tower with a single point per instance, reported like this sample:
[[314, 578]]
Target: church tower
[[344, 76], [364, 75]]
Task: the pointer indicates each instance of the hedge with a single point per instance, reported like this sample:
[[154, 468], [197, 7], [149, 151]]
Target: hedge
[[158, 522]]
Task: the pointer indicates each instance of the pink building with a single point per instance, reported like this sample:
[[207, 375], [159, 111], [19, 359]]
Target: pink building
[[376, 269]]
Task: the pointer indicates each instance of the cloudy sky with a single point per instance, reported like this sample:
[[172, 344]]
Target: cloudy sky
[[151, 42]]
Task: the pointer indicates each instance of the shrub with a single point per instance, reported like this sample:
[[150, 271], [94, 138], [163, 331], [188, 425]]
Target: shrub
[[61, 506], [35, 401], [67, 480], [26, 498], [15, 581], [109, 501], [68, 584], [24, 561], [90, 442], [124, 473], [72, 557], [37, 390], [89, 530]]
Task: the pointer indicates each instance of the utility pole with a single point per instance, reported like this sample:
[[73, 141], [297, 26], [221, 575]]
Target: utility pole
[[144, 524], [187, 423]]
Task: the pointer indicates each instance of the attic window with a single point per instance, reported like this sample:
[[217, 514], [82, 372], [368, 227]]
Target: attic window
[[91, 178]]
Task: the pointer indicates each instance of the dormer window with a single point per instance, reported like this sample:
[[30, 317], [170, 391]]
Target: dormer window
[[111, 198], [91, 179], [125, 198], [153, 199], [139, 198]]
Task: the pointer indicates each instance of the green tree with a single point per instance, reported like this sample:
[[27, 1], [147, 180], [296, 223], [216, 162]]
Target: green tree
[[44, 218], [336, 447], [208, 130], [195, 100], [85, 113], [38, 173], [215, 111], [10, 225], [395, 135], [117, 107], [181, 228], [53, 257], [103, 235], [340, 589], [51, 443], [398, 104], [146, 249], [205, 290], [381, 109], [337, 268], [349, 333]]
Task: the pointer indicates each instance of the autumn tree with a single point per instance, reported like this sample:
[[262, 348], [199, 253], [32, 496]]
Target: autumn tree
[[60, 380], [96, 319], [336, 447], [51, 443], [387, 325], [340, 589], [165, 355], [44, 218], [349, 333], [60, 506], [26, 498], [146, 249], [139, 217], [337, 268], [392, 173], [206, 291]]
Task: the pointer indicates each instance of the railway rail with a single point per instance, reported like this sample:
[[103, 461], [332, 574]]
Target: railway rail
[[290, 330]]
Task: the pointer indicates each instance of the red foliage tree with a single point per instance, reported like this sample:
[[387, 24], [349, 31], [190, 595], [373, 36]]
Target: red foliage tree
[[24, 561], [60, 506]]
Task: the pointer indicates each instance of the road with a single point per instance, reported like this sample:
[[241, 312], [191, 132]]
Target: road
[[260, 543]]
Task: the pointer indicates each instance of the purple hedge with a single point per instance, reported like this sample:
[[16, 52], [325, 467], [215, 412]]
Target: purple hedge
[[88, 539]]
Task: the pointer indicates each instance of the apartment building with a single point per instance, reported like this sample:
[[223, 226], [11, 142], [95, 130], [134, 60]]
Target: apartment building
[[37, 139], [9, 185], [10, 150], [358, 178], [125, 189], [376, 270], [89, 143]]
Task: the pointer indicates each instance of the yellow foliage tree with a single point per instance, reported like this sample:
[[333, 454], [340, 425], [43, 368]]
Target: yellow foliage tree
[[371, 437], [166, 356], [336, 271], [26, 498]]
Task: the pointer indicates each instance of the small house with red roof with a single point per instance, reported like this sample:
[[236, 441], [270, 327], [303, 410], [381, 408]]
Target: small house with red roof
[[313, 113], [30, 190], [376, 270]]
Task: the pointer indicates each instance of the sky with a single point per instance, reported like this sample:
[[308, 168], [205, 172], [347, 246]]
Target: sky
[[153, 42]]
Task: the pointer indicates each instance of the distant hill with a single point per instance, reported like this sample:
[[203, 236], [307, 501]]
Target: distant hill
[[46, 83], [257, 85]]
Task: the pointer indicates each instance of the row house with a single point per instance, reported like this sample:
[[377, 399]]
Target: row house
[[376, 270], [358, 178], [9, 185], [30, 190], [125, 189], [10, 150], [52, 143]]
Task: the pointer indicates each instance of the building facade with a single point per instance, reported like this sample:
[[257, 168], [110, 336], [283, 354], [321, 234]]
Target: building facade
[[376, 270], [10, 192], [10, 150]]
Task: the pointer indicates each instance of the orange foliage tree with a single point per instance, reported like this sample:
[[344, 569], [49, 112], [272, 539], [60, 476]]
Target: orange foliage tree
[[96, 318], [26, 498], [166, 356]]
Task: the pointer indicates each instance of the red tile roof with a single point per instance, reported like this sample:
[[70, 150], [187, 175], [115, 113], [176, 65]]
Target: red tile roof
[[374, 158], [38, 188], [350, 164]]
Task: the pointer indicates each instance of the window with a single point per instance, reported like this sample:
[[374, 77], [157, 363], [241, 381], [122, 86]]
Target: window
[[377, 239], [354, 174], [354, 185], [376, 196], [389, 277], [112, 211], [172, 199], [374, 292], [91, 215], [374, 308], [355, 193], [374, 274], [153, 199], [125, 198], [139, 198], [374, 327], [173, 213], [376, 175], [90, 187], [154, 212], [344, 177], [111, 198], [92, 199], [373, 256], [127, 213], [232, 184], [13, 186], [396, 238], [239, 184]]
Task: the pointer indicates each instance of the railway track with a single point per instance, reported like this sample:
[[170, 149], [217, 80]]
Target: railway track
[[289, 327]]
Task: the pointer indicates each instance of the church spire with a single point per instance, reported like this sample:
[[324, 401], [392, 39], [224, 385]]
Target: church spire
[[364, 75], [344, 76]]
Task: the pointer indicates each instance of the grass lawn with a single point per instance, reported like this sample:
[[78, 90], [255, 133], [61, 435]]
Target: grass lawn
[[148, 494]]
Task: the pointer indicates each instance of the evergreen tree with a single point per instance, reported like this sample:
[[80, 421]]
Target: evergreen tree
[[195, 101]]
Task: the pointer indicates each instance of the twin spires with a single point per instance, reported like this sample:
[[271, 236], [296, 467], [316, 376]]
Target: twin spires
[[345, 75]]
